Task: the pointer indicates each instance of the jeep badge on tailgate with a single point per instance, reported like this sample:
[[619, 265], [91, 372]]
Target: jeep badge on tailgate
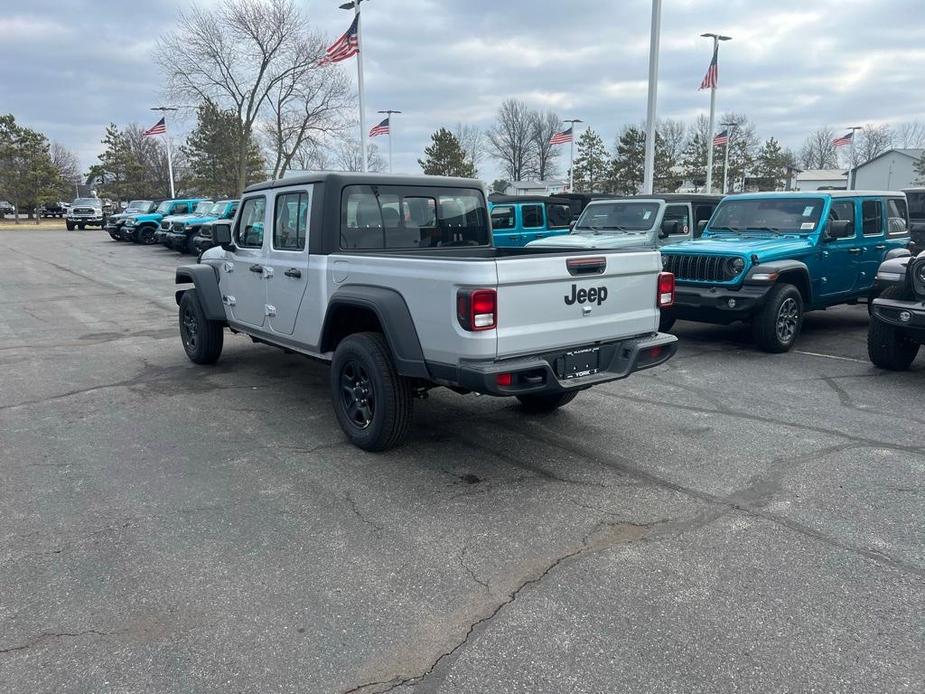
[[594, 295]]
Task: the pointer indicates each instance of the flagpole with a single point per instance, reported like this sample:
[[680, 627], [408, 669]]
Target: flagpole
[[363, 133], [716, 39], [389, 113], [648, 181], [730, 128], [164, 110], [571, 164], [852, 165]]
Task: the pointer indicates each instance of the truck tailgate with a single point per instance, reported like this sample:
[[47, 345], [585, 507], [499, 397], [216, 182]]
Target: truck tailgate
[[547, 302]]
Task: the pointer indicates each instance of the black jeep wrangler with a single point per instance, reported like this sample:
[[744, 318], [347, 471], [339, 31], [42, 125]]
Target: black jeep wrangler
[[897, 321]]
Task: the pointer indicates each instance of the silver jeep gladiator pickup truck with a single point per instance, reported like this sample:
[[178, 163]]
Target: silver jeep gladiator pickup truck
[[393, 279]]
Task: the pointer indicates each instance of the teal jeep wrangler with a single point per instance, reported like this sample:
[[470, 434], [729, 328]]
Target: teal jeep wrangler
[[767, 258], [141, 227]]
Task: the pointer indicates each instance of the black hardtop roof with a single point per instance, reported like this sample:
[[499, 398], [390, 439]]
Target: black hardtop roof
[[502, 198], [677, 197], [343, 178]]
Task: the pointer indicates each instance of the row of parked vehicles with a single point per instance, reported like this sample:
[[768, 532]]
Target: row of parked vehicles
[[405, 284], [184, 225]]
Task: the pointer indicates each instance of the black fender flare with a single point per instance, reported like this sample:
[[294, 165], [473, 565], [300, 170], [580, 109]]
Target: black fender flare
[[395, 318], [205, 279], [775, 268]]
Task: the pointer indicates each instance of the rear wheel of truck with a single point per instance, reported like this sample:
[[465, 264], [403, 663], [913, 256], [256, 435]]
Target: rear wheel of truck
[[886, 346], [373, 404], [777, 325], [202, 338], [537, 404]]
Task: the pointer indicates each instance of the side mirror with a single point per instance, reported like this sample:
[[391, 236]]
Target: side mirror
[[701, 225], [669, 227], [221, 234], [839, 229], [571, 225]]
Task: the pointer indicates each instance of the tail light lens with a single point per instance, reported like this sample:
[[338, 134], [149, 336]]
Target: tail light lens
[[665, 296], [477, 309]]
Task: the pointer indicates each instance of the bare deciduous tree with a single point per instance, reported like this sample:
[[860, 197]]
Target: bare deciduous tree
[[237, 55], [347, 156], [673, 134], [510, 141], [68, 166], [910, 134], [817, 151], [545, 125], [472, 140], [870, 142]]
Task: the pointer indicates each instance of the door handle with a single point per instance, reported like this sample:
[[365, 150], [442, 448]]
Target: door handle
[[854, 251], [256, 268], [880, 246], [293, 272]]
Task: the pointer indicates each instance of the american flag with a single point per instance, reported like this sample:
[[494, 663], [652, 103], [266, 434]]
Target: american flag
[[721, 139], [158, 128], [843, 140], [381, 129], [561, 138], [345, 47], [711, 79]]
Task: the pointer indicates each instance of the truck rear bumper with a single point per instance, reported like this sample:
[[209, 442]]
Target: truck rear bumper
[[562, 370], [718, 304]]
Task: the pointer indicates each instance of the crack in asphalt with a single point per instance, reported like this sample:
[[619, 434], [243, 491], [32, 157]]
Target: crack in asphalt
[[462, 562], [377, 528], [48, 635]]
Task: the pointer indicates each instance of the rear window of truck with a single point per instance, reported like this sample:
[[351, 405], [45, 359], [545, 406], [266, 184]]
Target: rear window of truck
[[397, 217]]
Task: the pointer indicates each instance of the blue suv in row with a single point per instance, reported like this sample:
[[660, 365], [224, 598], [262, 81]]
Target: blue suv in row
[[767, 258]]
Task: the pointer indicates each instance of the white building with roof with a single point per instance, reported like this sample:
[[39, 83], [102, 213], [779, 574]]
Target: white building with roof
[[891, 170], [550, 187], [822, 179]]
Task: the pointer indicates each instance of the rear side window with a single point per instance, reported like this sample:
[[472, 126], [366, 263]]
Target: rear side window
[[559, 215], [872, 214], [290, 222], [249, 231], [394, 217], [502, 217], [533, 216], [897, 218]]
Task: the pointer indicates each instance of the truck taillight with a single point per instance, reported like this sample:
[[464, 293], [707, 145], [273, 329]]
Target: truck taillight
[[477, 309], [665, 289]]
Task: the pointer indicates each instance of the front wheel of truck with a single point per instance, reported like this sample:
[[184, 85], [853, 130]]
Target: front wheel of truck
[[537, 404], [777, 325], [202, 338], [372, 402]]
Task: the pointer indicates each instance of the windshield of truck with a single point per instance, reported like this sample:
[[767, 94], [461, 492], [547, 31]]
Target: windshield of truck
[[139, 206], [217, 209], [789, 215], [204, 207], [374, 217], [163, 208], [88, 202], [617, 217]]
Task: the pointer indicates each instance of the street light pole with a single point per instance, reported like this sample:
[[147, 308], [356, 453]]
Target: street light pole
[[389, 112], [731, 126], [571, 163], [355, 6], [164, 110], [716, 39], [649, 171]]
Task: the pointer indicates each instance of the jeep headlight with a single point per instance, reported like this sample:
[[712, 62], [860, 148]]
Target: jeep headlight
[[734, 266], [665, 262], [129, 222]]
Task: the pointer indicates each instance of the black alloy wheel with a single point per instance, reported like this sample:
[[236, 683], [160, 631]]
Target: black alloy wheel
[[359, 397]]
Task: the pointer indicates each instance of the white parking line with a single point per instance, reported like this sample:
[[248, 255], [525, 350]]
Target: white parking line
[[831, 356]]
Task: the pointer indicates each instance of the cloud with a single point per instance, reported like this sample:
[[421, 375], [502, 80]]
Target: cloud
[[70, 67]]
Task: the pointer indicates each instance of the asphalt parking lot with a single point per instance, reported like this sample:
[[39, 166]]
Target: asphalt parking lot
[[731, 521]]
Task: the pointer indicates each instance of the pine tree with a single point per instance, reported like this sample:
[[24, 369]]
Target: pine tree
[[445, 157], [27, 173], [771, 166], [920, 170], [628, 162], [212, 150], [591, 164]]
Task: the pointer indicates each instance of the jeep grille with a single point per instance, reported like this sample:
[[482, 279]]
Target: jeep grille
[[178, 226], [699, 268], [165, 225]]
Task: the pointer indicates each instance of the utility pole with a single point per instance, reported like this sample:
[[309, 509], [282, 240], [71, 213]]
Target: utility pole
[[730, 129], [649, 171], [355, 6], [389, 113], [164, 110], [571, 162], [714, 65]]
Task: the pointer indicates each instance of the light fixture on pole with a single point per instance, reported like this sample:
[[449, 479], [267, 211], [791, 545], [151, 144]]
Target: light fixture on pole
[[711, 79], [164, 110], [730, 127], [389, 113], [355, 6], [648, 183], [571, 162]]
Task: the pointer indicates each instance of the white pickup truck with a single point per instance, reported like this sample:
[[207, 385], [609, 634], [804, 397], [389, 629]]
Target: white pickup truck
[[394, 280]]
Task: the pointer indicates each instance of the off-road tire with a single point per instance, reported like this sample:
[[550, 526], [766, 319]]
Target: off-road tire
[[666, 321], [69, 224], [81, 227], [373, 404], [537, 404], [777, 326], [189, 247], [202, 338], [886, 346], [114, 237]]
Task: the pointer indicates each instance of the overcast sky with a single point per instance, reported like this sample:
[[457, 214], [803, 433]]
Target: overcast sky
[[69, 67]]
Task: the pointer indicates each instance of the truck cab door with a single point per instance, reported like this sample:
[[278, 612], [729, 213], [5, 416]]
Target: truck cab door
[[242, 278], [873, 241], [287, 259], [504, 226]]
